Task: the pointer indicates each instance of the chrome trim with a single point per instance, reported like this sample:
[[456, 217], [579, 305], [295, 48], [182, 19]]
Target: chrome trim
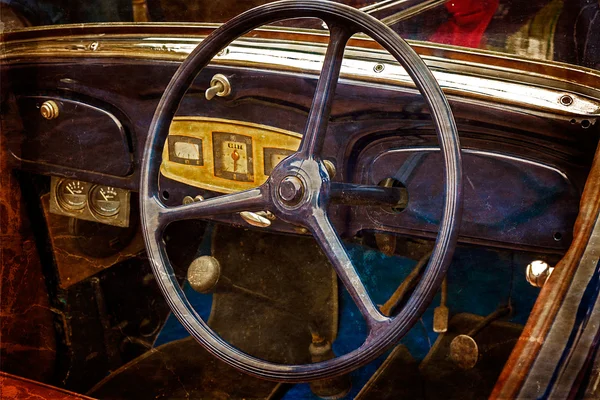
[[487, 154], [409, 8], [460, 80]]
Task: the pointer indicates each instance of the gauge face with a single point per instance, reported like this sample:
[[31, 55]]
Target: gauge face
[[233, 156], [185, 150], [105, 201], [71, 194], [273, 157]]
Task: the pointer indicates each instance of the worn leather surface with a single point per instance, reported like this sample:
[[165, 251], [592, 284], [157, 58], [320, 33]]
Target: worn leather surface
[[397, 378], [180, 370], [18, 388]]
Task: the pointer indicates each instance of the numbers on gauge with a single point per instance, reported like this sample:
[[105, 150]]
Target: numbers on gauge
[[187, 151], [232, 155], [105, 200], [71, 194]]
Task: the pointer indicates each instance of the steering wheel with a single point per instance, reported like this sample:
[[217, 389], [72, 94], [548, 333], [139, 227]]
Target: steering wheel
[[299, 188]]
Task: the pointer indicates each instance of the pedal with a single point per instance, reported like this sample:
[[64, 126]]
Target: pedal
[[441, 314]]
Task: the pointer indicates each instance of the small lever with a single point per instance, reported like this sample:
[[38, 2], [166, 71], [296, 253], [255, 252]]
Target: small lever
[[219, 86], [261, 219], [441, 313]]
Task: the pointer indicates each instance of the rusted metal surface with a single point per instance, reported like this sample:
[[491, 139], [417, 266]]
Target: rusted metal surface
[[26, 322], [72, 264], [18, 388], [552, 294]]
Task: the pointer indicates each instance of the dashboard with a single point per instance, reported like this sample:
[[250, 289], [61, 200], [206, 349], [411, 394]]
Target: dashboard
[[525, 160]]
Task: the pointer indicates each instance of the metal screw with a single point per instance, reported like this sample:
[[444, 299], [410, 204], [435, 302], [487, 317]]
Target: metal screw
[[378, 68], [566, 100], [94, 46]]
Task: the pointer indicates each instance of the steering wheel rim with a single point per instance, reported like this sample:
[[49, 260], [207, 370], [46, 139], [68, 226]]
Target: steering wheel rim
[[304, 166]]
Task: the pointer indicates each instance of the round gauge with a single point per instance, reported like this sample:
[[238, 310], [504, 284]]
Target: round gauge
[[71, 194], [105, 201]]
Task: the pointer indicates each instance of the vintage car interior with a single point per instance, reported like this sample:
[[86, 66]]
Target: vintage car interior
[[300, 199]]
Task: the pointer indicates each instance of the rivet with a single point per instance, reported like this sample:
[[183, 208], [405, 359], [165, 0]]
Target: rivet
[[566, 100], [378, 68]]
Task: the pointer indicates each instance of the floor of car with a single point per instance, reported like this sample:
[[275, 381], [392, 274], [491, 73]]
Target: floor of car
[[439, 376], [290, 270], [181, 370]]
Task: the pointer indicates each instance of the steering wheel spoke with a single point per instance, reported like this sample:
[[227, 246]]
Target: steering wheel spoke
[[367, 195], [248, 200], [320, 109], [333, 248]]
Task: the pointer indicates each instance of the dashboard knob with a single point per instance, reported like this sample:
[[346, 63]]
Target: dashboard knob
[[204, 273], [538, 272], [49, 109]]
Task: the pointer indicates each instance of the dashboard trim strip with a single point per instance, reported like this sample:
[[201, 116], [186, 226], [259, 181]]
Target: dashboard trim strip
[[459, 79]]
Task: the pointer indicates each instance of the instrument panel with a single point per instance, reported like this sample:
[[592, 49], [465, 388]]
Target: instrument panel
[[84, 200], [223, 155]]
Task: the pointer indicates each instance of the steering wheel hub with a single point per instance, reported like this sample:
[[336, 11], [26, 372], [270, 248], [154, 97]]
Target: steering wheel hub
[[291, 190]]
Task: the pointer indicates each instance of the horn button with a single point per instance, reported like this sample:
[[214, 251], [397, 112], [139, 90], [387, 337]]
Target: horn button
[[291, 190]]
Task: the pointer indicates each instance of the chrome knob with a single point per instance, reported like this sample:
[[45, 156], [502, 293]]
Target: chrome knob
[[219, 86], [538, 272], [204, 273]]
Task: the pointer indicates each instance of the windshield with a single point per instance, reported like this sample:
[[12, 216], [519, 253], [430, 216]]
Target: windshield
[[560, 30]]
